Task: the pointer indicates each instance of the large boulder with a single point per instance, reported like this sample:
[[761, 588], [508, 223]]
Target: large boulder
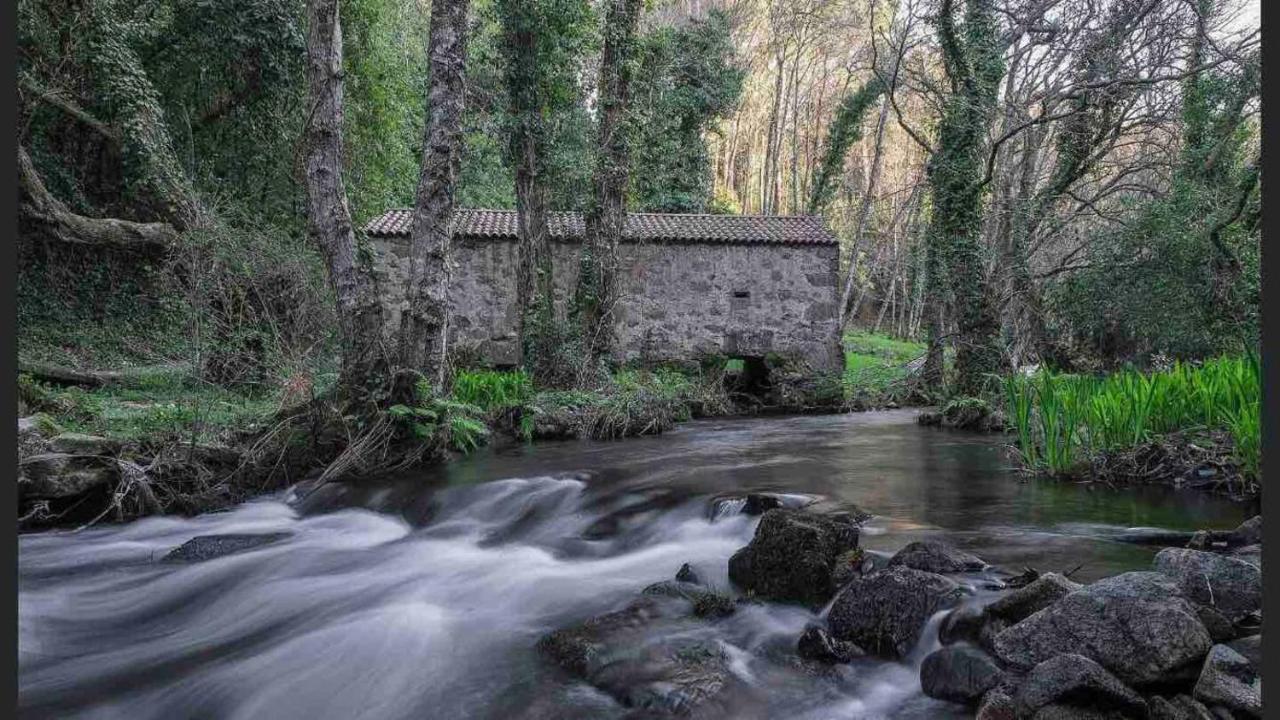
[[1232, 586], [792, 554], [1042, 592], [936, 557], [1136, 625], [959, 673], [885, 611], [1229, 680], [1077, 681], [650, 657]]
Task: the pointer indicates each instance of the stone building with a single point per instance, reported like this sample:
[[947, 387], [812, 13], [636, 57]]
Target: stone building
[[691, 285]]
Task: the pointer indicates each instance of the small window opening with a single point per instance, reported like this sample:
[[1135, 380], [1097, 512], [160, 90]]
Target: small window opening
[[741, 294]]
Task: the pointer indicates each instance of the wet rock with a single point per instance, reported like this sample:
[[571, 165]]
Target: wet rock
[[965, 623], [1075, 680], [997, 705], [648, 658], [1248, 533], [816, 643], [705, 602], [1136, 625], [1251, 649], [1178, 707], [1034, 597], [82, 444], [958, 673], [851, 564], [759, 503], [1229, 680], [885, 611], [936, 557], [208, 547], [1230, 585], [688, 574], [792, 554]]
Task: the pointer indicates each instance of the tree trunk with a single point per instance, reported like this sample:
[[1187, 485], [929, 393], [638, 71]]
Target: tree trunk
[[974, 64], [41, 216], [328, 217], [425, 329], [597, 290]]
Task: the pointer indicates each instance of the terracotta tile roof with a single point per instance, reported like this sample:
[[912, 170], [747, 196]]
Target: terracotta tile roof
[[640, 227]]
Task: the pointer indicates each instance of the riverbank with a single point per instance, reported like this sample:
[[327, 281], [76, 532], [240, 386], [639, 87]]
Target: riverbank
[[1188, 425], [126, 443]]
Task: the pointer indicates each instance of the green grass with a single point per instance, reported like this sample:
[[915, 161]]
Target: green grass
[[151, 408], [1064, 420], [492, 390], [874, 363]]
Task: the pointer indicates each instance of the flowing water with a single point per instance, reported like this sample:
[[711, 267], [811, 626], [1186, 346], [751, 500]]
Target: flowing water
[[424, 597]]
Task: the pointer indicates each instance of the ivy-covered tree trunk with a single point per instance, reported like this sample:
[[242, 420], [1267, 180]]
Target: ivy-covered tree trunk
[[328, 216], [535, 289], [597, 290], [425, 329], [973, 61], [122, 83]]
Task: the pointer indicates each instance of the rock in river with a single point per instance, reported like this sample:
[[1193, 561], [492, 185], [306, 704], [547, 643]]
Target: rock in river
[[936, 557], [1137, 625], [885, 611], [1232, 586], [1032, 598], [651, 657], [791, 557], [1229, 680], [207, 547], [1077, 681], [817, 644], [958, 673]]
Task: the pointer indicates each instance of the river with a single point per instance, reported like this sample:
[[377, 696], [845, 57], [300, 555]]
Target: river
[[423, 596]]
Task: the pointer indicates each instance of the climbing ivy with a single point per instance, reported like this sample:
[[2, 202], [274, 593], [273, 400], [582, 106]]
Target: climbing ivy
[[846, 129]]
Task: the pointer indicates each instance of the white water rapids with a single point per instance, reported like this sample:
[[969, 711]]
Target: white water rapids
[[431, 608]]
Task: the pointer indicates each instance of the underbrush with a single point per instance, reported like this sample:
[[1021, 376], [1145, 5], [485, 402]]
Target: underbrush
[[1067, 423], [628, 402], [152, 408]]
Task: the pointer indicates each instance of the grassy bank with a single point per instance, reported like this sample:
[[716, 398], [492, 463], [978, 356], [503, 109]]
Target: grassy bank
[[1198, 420], [877, 368]]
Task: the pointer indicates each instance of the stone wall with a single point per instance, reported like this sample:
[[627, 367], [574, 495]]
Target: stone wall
[[681, 302]]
